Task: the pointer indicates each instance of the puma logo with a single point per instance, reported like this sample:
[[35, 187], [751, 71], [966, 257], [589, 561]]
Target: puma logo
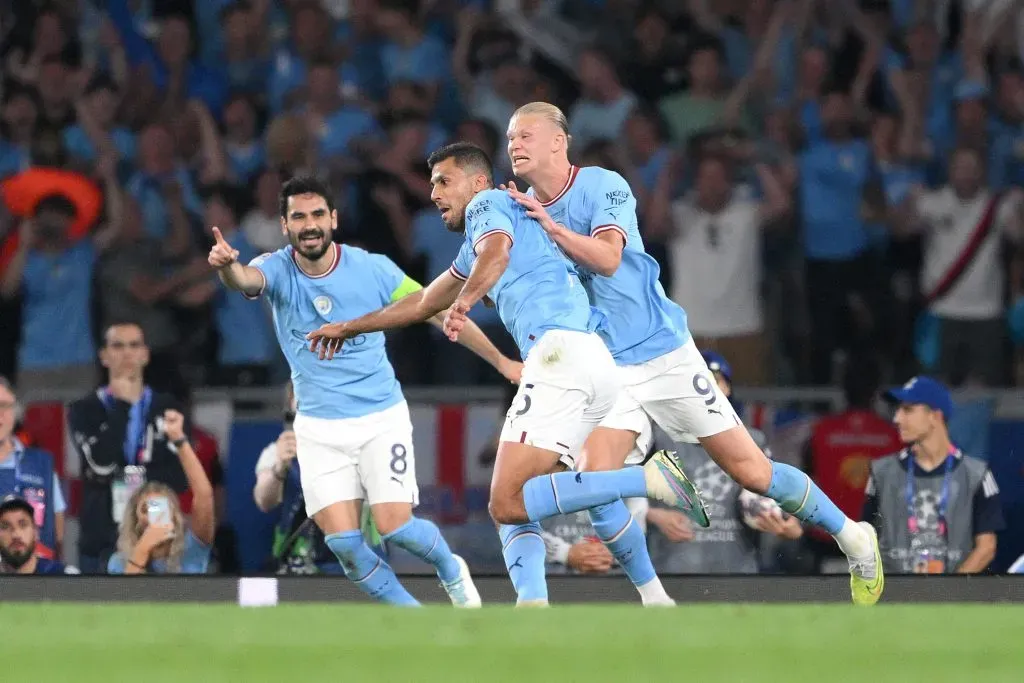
[[715, 411], [517, 563], [579, 477]]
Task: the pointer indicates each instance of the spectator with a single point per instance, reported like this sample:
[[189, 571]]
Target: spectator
[[29, 475], [19, 541], [716, 257], [122, 441], [408, 53], [164, 189], [573, 546], [97, 129], [54, 275], [707, 103], [18, 116], [245, 54], [843, 445], [841, 275], [262, 224], [140, 278], [601, 112], [728, 545], [164, 544], [936, 510], [277, 485], [963, 278], [242, 359], [246, 155]]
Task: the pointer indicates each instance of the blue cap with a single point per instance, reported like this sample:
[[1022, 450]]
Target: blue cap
[[717, 363], [924, 391]]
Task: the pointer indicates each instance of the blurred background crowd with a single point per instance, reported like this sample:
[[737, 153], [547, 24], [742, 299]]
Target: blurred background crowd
[[827, 185]]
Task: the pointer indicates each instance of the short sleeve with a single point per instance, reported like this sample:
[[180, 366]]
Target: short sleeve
[[487, 215], [270, 267], [988, 511], [1006, 219], [267, 458], [388, 276], [115, 565], [614, 207], [196, 557], [463, 263]]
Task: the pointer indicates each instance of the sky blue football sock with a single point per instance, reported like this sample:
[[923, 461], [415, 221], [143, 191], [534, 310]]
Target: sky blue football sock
[[524, 552], [798, 495], [423, 539], [367, 570], [565, 492], [625, 539]]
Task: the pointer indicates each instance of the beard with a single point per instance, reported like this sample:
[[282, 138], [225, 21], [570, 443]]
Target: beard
[[16, 560], [310, 252]]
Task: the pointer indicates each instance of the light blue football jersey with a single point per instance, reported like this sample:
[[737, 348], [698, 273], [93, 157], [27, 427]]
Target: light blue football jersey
[[360, 379], [642, 323], [536, 293]]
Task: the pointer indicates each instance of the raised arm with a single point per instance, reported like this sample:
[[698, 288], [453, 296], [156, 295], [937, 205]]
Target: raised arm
[[245, 279]]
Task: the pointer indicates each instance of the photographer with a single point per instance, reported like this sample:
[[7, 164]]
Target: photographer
[[299, 547], [122, 441], [153, 535]]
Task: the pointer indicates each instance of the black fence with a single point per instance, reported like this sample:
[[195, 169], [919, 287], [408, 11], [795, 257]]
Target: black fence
[[498, 590]]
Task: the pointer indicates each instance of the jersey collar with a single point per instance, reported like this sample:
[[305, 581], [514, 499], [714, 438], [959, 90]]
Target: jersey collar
[[334, 264], [573, 172]]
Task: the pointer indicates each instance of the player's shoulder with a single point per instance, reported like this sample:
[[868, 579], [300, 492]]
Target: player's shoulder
[[490, 199], [282, 256], [487, 204], [600, 177]]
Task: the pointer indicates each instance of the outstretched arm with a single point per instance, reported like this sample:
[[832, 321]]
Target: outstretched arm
[[418, 306]]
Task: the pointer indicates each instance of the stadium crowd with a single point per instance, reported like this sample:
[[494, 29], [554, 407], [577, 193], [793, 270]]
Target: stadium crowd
[[826, 185]]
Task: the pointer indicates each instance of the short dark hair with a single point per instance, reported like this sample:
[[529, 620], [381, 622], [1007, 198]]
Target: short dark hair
[[304, 184], [466, 155], [122, 322], [56, 203]]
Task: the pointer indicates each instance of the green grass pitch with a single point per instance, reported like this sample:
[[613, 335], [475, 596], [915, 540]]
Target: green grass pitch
[[153, 643]]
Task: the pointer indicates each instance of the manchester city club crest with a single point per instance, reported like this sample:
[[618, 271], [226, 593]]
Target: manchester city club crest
[[323, 305]]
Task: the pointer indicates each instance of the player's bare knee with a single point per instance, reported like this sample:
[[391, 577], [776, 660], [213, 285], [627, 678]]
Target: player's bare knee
[[389, 517], [507, 509]]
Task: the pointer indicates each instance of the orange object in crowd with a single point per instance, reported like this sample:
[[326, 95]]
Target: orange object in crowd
[[23, 191]]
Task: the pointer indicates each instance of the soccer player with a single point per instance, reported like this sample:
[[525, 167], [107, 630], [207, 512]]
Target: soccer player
[[568, 383], [590, 213], [353, 432]]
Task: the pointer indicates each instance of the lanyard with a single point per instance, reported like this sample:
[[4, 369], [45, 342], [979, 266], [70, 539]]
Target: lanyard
[[947, 475], [135, 432]]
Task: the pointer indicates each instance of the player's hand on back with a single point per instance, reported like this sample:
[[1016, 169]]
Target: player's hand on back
[[590, 557], [327, 340], [534, 209], [221, 254]]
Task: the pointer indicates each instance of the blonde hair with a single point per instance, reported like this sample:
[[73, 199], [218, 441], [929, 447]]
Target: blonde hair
[[547, 111], [131, 526]]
